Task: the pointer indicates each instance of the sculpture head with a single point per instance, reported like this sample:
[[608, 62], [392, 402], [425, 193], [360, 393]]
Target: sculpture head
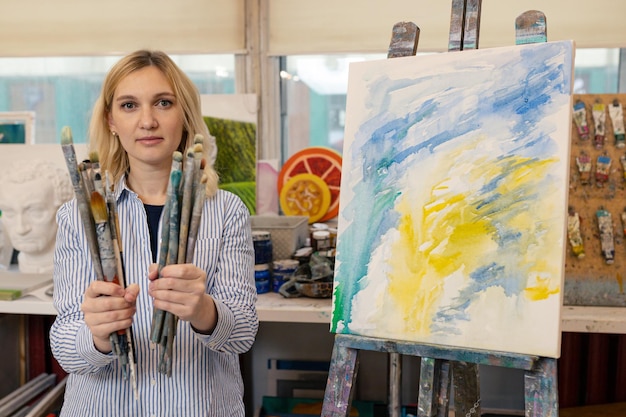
[[30, 194]]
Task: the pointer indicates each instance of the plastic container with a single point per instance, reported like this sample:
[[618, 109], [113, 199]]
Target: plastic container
[[262, 278], [283, 271], [289, 233], [262, 241]]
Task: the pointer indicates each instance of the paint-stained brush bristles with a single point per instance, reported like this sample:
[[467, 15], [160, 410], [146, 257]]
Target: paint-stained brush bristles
[[99, 208], [93, 157], [66, 136]]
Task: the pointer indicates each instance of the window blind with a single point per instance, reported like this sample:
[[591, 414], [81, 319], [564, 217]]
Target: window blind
[[364, 26], [88, 27]]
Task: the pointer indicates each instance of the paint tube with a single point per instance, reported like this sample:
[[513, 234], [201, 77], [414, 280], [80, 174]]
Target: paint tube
[[617, 117], [603, 166], [598, 111], [583, 161], [580, 118]]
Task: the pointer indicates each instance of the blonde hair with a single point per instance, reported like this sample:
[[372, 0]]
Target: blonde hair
[[111, 154]]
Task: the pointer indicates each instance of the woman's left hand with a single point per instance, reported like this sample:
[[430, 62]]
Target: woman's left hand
[[181, 290]]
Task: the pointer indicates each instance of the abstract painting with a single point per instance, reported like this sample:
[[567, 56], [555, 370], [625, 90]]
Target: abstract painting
[[232, 120], [236, 157], [454, 199]]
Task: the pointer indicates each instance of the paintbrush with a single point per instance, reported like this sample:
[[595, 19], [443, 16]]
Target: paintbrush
[[94, 159], [108, 261], [196, 215], [172, 255], [198, 151], [103, 234], [85, 172], [198, 197], [157, 315], [114, 228], [175, 180], [69, 153], [119, 261], [164, 250], [185, 214]]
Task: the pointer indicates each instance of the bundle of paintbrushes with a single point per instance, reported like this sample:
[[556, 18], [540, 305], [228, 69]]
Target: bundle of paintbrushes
[[96, 205], [179, 228]]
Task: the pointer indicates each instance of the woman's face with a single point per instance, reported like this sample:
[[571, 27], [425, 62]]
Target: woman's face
[[147, 117]]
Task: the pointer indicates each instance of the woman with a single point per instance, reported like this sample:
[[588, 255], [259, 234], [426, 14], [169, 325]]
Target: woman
[[147, 110]]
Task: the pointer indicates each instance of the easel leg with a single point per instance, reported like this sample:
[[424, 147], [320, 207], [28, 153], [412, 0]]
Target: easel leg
[[341, 375], [466, 389], [434, 391], [540, 385], [395, 381]]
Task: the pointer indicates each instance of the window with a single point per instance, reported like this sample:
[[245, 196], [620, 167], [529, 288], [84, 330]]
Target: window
[[314, 93], [596, 71], [61, 90]]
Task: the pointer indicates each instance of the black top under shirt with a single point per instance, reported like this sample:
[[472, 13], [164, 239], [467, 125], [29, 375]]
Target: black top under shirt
[[154, 215]]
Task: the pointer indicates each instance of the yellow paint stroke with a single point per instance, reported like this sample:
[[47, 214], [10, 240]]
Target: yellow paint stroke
[[451, 233], [620, 282], [542, 289]]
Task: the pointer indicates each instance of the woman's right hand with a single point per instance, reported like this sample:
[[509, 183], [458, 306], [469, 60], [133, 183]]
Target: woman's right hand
[[108, 308]]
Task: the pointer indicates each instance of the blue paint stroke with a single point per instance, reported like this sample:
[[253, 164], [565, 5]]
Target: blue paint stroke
[[397, 135]]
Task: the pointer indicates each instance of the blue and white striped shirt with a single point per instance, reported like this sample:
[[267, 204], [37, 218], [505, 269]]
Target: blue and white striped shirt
[[206, 378]]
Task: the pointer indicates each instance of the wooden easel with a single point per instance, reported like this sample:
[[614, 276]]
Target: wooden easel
[[445, 367]]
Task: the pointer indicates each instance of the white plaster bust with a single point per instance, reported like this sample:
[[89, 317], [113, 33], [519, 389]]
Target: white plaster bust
[[6, 249], [30, 194]]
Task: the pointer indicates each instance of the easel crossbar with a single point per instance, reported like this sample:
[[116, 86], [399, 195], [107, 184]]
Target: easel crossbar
[[481, 357]]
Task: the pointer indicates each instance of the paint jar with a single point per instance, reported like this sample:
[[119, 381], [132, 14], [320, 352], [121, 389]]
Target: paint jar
[[262, 242], [321, 240], [316, 227], [282, 272], [333, 237], [262, 278]]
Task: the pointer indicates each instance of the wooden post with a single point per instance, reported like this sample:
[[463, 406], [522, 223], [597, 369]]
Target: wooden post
[[404, 40]]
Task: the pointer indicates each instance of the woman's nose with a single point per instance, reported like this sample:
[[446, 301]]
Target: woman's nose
[[148, 121]]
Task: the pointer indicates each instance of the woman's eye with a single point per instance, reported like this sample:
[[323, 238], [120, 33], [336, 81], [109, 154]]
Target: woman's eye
[[164, 103], [128, 106]]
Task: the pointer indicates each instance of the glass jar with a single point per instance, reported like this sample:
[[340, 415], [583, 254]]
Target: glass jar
[[321, 240]]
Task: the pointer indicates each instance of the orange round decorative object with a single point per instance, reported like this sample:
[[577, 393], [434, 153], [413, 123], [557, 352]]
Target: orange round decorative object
[[322, 162], [305, 195]]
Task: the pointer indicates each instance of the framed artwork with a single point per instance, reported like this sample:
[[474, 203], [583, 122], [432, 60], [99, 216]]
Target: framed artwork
[[232, 120], [17, 127], [454, 199]]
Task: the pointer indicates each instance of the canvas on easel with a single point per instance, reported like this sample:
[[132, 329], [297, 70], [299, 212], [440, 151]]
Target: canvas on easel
[[454, 194]]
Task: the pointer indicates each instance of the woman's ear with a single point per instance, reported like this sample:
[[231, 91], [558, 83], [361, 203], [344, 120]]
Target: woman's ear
[[111, 123]]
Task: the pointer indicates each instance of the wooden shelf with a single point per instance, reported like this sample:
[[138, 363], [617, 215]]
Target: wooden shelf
[[270, 307], [593, 319], [35, 302], [274, 307]]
